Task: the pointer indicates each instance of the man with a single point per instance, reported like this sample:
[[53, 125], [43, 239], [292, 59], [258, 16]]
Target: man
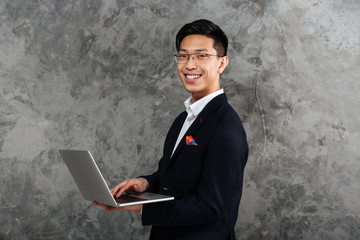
[[205, 150]]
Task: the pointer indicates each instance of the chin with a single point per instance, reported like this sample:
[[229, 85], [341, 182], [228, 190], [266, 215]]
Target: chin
[[190, 88]]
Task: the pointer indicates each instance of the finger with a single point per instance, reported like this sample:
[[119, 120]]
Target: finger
[[97, 204], [109, 209], [129, 185], [100, 205], [124, 189], [117, 187]]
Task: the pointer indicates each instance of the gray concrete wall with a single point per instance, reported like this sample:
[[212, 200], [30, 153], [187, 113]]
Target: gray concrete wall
[[99, 75]]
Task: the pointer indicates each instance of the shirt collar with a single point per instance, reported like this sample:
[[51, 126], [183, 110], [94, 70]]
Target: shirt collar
[[195, 108]]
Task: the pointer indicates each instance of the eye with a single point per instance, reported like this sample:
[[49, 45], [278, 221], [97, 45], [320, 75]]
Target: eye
[[202, 55], [182, 56]]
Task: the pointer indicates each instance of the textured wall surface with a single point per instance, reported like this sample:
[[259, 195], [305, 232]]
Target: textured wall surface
[[99, 75]]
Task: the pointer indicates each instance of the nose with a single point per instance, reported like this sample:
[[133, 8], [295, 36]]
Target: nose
[[190, 64]]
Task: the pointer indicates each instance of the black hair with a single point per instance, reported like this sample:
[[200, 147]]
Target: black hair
[[208, 29]]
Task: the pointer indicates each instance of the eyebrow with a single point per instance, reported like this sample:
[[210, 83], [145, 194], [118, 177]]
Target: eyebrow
[[196, 50]]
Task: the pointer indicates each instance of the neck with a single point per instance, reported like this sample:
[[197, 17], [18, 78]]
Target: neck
[[197, 96]]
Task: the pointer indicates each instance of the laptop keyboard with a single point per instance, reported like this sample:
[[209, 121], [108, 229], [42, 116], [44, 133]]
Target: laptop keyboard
[[127, 198]]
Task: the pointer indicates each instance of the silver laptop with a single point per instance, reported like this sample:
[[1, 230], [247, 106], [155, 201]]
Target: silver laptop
[[93, 187]]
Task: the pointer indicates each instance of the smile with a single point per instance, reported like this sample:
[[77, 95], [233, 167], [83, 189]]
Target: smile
[[192, 77]]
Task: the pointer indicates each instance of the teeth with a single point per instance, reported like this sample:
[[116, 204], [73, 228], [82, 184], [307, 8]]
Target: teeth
[[192, 76]]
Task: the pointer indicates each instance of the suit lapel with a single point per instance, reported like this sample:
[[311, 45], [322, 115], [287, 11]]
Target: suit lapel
[[199, 121], [173, 135]]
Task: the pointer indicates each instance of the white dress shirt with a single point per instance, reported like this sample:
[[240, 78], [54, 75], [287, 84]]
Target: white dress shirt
[[193, 110]]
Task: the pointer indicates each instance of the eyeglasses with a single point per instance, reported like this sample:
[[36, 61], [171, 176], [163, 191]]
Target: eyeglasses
[[197, 57]]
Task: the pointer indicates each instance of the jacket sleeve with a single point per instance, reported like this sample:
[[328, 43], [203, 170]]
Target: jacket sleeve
[[219, 189], [153, 180]]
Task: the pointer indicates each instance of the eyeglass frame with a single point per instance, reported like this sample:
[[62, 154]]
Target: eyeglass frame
[[190, 54]]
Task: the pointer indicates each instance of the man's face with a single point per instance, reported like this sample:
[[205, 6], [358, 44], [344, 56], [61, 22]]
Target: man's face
[[200, 78]]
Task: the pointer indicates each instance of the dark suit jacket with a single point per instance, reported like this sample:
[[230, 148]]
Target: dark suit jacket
[[206, 179]]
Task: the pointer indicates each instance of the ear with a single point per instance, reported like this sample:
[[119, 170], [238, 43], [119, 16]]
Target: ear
[[223, 63]]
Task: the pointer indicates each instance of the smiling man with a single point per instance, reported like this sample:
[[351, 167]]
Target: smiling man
[[200, 74], [205, 151]]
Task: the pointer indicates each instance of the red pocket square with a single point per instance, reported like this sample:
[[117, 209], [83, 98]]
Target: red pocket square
[[190, 141]]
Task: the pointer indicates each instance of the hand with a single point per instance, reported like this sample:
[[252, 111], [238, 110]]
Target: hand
[[134, 184], [109, 209]]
